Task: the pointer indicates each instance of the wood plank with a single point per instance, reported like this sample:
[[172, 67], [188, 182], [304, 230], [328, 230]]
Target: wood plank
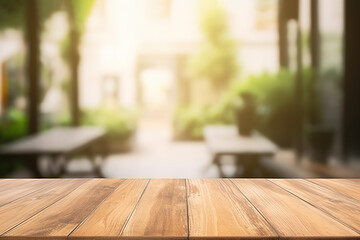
[[23, 208], [110, 217], [19, 188], [10, 183], [161, 212], [325, 199], [348, 187], [218, 210], [291, 217], [61, 218]]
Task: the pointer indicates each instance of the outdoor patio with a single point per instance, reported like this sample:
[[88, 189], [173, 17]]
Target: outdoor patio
[[131, 89]]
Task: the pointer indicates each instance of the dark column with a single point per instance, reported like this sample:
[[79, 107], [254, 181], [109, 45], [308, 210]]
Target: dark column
[[314, 34], [32, 41], [75, 62], [299, 96], [74, 65], [282, 30], [287, 10], [315, 53], [351, 122]]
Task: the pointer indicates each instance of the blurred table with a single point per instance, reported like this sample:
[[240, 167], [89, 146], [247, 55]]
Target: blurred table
[[248, 150], [148, 209], [57, 142]]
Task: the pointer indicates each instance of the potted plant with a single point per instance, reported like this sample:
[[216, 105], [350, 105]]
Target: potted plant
[[246, 114]]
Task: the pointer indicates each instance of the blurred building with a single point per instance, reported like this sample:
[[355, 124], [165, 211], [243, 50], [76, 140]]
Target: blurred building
[[145, 43]]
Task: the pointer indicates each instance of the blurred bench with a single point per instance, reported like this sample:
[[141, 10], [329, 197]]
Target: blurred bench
[[59, 144], [248, 150]]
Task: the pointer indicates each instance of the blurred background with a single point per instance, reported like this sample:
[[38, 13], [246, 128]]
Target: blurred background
[[276, 84]]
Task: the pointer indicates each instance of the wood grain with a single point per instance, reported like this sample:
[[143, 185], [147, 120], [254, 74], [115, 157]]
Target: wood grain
[[19, 210], [59, 219], [15, 189], [109, 218], [10, 183], [344, 209], [161, 212], [218, 209], [291, 217], [348, 187], [197, 209]]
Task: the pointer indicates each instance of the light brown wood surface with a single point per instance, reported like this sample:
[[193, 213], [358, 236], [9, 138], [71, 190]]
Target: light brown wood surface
[[348, 187], [198, 209], [16, 189], [109, 219], [217, 208], [161, 212], [290, 216], [332, 203], [21, 209], [58, 220]]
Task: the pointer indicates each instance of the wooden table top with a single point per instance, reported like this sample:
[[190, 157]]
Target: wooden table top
[[59, 140], [226, 140], [179, 209]]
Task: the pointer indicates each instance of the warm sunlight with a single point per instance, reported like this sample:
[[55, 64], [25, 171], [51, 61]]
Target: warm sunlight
[[180, 88]]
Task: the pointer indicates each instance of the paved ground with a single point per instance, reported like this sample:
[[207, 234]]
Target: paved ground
[[157, 156]]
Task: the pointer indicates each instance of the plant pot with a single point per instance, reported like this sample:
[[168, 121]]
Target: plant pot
[[245, 122], [320, 142]]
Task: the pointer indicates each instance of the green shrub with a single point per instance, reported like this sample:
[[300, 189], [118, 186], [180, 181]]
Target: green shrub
[[189, 121], [274, 93], [117, 122], [13, 125]]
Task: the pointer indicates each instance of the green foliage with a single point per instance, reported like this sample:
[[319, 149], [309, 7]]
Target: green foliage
[[79, 11], [269, 89], [274, 93], [12, 13], [118, 122], [190, 121], [216, 58], [65, 48], [47, 8], [275, 100], [13, 125], [213, 20]]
